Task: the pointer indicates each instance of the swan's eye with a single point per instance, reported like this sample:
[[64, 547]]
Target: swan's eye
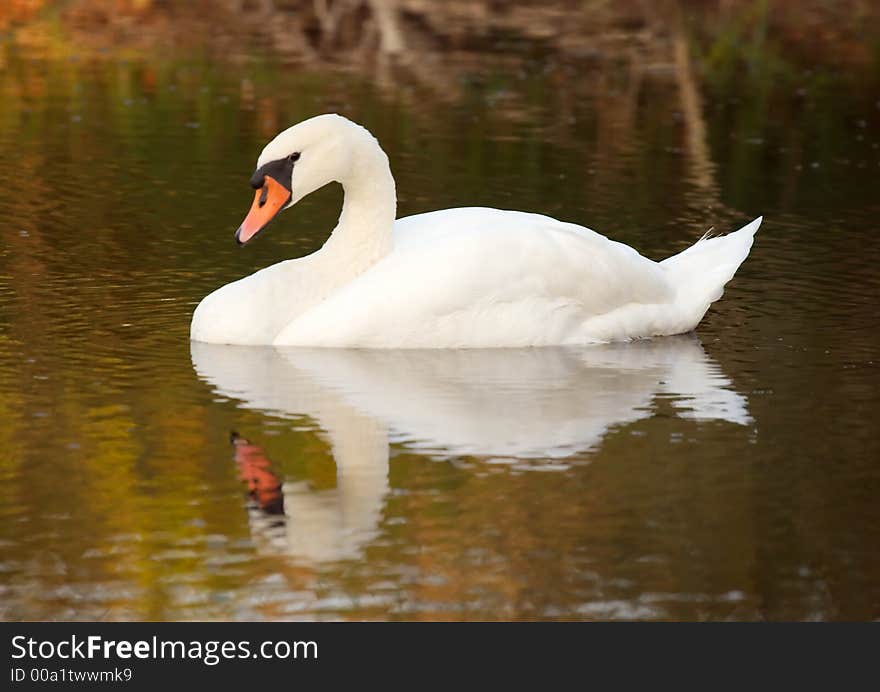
[[294, 156]]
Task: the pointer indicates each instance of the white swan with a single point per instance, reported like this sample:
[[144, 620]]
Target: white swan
[[456, 278]]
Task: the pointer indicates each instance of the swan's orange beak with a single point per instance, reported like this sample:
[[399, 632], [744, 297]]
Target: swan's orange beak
[[268, 201]]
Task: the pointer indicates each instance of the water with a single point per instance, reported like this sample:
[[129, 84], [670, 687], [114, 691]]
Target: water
[[730, 474]]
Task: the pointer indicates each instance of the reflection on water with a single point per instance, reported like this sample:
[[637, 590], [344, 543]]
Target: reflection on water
[[533, 403], [733, 476], [504, 405], [264, 486]]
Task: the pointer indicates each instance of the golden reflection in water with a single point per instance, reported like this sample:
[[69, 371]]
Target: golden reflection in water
[[124, 157], [527, 409]]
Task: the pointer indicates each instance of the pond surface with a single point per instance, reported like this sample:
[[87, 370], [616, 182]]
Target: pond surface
[[729, 474]]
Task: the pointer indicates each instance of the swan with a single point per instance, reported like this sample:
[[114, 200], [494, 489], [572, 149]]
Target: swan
[[468, 277]]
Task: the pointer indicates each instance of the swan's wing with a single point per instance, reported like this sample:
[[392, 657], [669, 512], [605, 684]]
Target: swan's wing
[[480, 277]]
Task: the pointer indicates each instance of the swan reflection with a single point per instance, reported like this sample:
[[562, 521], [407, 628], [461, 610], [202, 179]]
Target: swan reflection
[[530, 404]]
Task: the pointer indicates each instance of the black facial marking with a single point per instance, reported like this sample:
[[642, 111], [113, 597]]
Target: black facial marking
[[280, 170]]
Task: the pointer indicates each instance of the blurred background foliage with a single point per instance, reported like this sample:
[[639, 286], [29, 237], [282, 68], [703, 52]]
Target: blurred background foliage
[[128, 129]]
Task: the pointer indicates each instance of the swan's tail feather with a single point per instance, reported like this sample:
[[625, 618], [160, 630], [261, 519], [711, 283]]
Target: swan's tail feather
[[700, 272]]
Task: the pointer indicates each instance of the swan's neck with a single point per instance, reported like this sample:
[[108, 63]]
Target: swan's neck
[[363, 234], [362, 237]]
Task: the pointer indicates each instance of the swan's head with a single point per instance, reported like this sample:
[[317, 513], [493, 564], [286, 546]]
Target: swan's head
[[298, 161]]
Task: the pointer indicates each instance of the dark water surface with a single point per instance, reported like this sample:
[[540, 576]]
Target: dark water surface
[[731, 474]]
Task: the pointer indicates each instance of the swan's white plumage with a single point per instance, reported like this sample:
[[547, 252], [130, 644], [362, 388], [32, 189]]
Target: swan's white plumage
[[477, 277], [456, 278]]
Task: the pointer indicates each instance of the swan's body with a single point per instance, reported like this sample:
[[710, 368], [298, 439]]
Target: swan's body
[[468, 277]]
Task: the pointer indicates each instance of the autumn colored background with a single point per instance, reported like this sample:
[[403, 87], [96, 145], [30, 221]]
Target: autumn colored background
[[128, 131]]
